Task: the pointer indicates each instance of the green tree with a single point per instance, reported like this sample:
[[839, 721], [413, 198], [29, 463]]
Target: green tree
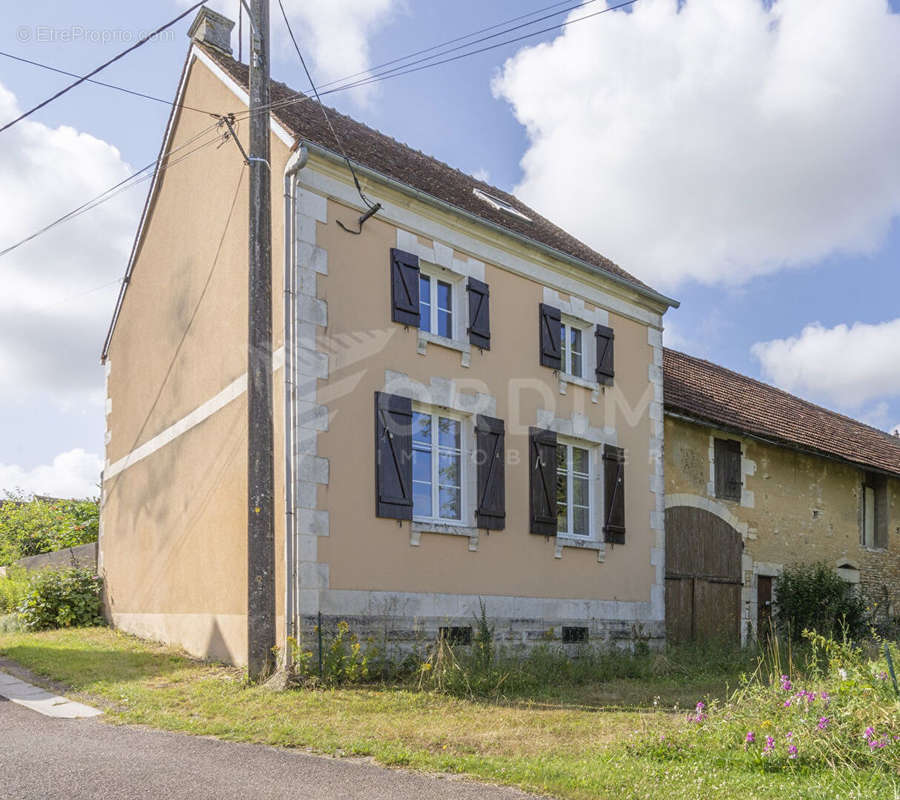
[[29, 526]]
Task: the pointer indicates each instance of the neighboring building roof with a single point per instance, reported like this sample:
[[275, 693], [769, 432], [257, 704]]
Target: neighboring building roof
[[402, 163], [709, 393]]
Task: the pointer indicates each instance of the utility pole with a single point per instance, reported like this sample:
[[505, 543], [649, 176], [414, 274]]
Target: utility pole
[[260, 461]]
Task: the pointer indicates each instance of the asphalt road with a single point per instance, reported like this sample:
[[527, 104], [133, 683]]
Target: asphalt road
[[81, 759]]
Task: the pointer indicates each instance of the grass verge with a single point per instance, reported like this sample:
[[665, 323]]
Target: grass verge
[[559, 746]]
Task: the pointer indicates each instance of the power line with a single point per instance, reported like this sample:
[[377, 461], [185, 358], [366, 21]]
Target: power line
[[568, 3], [103, 66], [132, 180], [337, 139], [103, 83], [417, 66], [394, 73]]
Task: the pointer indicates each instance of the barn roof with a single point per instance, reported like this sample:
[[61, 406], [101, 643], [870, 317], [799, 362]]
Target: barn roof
[[712, 394]]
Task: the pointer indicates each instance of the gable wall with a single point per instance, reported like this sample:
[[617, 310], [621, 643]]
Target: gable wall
[[173, 545]]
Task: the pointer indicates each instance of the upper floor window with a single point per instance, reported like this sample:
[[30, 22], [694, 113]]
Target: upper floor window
[[437, 467], [436, 306], [573, 490], [727, 454], [572, 349]]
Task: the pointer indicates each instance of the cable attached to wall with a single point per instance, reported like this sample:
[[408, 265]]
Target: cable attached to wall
[[372, 208]]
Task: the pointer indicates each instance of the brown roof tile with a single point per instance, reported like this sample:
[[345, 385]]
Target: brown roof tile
[[711, 393], [396, 160]]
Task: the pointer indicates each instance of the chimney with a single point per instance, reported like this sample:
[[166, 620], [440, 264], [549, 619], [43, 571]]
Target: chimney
[[212, 29]]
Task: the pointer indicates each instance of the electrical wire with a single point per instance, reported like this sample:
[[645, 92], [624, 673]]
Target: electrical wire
[[107, 85], [142, 41], [134, 179], [337, 139], [417, 66], [408, 56]]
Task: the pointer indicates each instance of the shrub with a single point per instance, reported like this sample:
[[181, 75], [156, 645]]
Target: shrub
[[62, 599], [12, 589], [29, 527], [813, 597]]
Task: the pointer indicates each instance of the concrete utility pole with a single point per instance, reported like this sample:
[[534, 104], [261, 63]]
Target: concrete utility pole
[[260, 462]]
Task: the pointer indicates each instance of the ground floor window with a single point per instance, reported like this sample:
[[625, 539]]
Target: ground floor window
[[437, 467], [573, 490]]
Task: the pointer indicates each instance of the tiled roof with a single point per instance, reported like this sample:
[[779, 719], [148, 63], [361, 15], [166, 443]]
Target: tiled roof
[[398, 161], [708, 392]]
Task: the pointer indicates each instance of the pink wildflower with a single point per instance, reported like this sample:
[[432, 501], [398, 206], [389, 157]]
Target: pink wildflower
[[786, 683], [823, 723], [750, 738], [792, 751]]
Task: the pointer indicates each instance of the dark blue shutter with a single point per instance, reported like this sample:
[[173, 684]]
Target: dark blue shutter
[[393, 456], [551, 329], [491, 459], [614, 494], [605, 366], [479, 313], [542, 470], [404, 287]]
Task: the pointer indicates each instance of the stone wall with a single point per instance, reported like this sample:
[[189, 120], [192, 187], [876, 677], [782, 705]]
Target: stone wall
[[795, 508]]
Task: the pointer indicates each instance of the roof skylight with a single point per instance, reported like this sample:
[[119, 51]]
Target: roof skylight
[[500, 205]]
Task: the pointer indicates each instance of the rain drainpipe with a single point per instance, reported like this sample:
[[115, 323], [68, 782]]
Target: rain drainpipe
[[291, 595]]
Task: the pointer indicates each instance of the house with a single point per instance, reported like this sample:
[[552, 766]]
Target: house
[[468, 404], [757, 479]]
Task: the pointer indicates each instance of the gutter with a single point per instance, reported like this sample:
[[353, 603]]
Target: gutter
[[430, 199], [295, 163]]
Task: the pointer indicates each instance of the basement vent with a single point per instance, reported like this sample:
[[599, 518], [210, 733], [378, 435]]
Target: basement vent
[[455, 634], [574, 634]]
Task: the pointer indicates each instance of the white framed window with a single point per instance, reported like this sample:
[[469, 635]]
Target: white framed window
[[438, 466], [576, 504], [440, 308], [572, 342]]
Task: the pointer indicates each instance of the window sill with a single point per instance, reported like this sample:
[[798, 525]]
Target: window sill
[[592, 386], [418, 527], [580, 544], [872, 548], [425, 338]]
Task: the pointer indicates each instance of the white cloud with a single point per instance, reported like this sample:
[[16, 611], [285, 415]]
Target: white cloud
[[718, 142], [333, 37], [72, 474], [51, 323], [481, 174], [848, 365]]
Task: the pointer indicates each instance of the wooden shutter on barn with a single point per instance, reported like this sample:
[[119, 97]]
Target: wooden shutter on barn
[[404, 287], [727, 454], [479, 313], [605, 366], [542, 469], [614, 494], [393, 456], [490, 454], [550, 321]]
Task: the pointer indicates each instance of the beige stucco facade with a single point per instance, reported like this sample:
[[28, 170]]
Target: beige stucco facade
[[173, 538], [795, 507], [173, 541]]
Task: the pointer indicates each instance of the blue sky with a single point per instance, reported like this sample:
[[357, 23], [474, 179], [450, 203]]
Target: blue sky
[[761, 190]]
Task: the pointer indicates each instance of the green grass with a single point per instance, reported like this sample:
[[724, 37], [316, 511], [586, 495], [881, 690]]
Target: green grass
[[568, 743]]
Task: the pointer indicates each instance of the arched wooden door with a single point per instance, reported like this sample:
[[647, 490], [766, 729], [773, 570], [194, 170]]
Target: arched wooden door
[[703, 576]]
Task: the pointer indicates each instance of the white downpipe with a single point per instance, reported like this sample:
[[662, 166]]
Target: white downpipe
[[291, 595]]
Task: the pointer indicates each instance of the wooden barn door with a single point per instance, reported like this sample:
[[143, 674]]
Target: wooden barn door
[[703, 576]]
